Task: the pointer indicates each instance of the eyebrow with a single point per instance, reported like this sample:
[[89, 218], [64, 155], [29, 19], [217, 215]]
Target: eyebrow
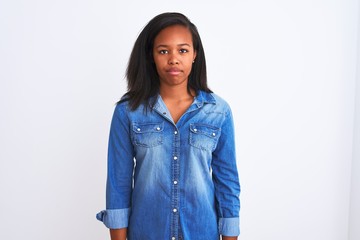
[[179, 45]]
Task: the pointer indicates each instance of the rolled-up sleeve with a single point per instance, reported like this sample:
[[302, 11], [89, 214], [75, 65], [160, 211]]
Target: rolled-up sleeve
[[119, 172], [229, 226], [226, 180], [114, 218]]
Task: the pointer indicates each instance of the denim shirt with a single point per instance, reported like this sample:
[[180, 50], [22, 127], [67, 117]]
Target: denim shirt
[[173, 181]]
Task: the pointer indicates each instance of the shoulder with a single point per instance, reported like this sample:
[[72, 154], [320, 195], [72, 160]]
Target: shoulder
[[123, 110], [122, 106], [218, 102]]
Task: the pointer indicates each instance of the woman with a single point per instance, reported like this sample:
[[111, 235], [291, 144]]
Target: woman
[[171, 160]]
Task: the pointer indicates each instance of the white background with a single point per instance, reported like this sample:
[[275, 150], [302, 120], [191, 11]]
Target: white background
[[288, 69]]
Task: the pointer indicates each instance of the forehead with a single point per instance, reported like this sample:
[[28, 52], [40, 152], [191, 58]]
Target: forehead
[[176, 34]]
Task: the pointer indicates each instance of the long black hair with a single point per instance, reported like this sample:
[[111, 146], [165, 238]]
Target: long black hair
[[142, 77]]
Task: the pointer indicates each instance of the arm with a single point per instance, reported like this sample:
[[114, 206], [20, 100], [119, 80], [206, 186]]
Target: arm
[[229, 238], [119, 173], [226, 181], [118, 234]]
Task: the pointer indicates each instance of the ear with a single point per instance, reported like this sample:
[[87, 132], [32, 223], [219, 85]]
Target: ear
[[195, 54]]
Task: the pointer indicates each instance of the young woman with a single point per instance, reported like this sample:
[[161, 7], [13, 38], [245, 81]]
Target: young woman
[[172, 170]]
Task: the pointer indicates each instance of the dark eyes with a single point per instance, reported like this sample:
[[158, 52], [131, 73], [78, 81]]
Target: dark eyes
[[180, 51], [163, 51]]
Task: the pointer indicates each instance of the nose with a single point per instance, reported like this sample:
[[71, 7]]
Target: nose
[[173, 60]]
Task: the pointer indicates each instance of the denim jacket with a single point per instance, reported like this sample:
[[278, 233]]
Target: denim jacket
[[173, 181]]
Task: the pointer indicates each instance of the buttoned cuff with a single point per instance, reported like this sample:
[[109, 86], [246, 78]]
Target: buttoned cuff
[[114, 218], [229, 227]]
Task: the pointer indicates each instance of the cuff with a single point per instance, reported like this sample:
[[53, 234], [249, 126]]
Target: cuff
[[229, 226], [114, 218]]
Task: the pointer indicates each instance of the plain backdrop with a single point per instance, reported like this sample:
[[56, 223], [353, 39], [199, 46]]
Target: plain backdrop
[[287, 68]]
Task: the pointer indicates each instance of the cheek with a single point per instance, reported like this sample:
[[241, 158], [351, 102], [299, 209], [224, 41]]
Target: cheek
[[189, 65], [158, 61]]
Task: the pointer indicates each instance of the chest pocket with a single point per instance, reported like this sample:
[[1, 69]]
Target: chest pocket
[[147, 134], [204, 136]]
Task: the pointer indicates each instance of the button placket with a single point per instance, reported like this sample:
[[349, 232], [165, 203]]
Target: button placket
[[175, 188]]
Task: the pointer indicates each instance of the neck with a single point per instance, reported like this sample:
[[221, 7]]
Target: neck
[[175, 93]]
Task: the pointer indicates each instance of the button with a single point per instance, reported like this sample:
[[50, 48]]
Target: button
[[138, 129], [175, 132], [174, 210], [175, 158], [175, 182], [214, 134], [173, 238], [164, 113], [195, 130], [158, 128]]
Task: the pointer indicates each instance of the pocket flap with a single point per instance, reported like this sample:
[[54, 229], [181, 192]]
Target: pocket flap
[[147, 127], [207, 130]]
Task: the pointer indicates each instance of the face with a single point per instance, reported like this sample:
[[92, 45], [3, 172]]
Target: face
[[174, 55]]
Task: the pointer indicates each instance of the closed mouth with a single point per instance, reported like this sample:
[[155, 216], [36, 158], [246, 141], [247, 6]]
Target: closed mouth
[[173, 71]]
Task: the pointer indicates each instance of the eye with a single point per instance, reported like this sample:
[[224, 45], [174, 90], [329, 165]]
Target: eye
[[183, 50], [163, 51]]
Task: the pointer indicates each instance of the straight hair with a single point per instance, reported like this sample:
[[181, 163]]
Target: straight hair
[[141, 74]]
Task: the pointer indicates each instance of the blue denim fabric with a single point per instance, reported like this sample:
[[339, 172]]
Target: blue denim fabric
[[173, 181]]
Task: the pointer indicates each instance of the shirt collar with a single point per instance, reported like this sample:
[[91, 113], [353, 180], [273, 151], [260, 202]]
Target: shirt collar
[[204, 97], [200, 99]]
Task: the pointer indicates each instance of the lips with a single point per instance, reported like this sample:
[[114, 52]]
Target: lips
[[173, 71]]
